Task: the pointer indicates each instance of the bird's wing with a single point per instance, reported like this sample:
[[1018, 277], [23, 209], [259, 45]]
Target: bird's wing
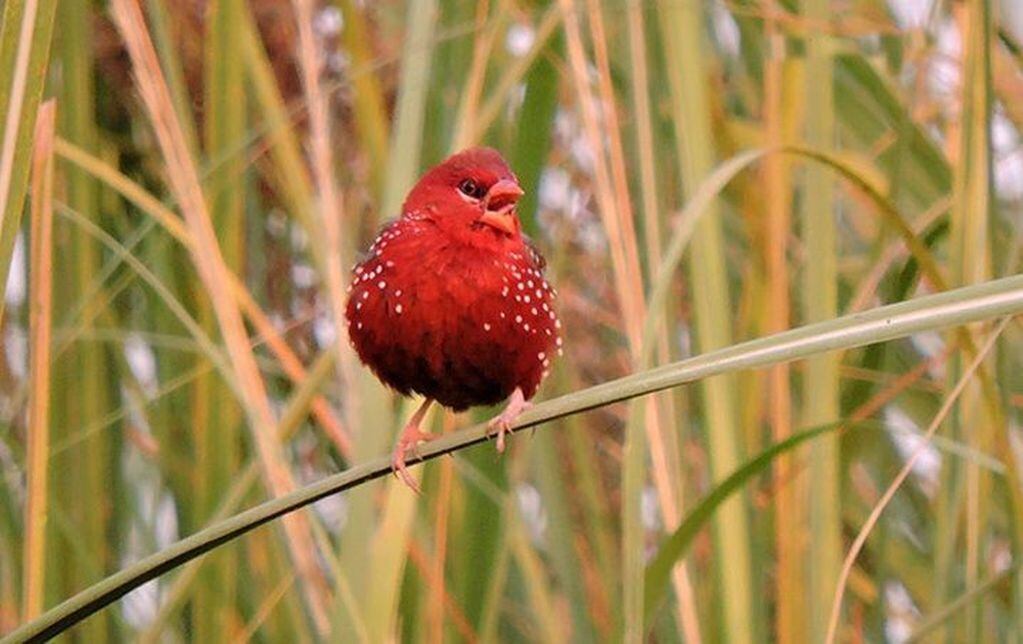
[[387, 227], [534, 254]]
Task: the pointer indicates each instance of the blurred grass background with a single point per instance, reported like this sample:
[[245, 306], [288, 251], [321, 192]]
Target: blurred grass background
[[177, 225]]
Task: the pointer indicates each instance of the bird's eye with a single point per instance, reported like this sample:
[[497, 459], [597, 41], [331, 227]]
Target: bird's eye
[[470, 188]]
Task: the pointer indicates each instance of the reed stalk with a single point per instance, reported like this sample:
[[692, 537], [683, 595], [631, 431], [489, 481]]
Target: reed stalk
[[996, 298], [212, 269], [40, 325], [820, 302], [682, 33]]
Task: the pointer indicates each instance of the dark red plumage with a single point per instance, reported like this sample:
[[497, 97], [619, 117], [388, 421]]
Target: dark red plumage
[[451, 301]]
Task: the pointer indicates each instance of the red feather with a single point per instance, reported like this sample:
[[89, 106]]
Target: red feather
[[449, 305]]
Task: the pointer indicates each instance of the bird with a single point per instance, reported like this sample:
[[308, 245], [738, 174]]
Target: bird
[[450, 301]]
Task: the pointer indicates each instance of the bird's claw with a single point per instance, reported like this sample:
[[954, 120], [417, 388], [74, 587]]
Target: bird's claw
[[411, 437], [504, 421], [503, 427]]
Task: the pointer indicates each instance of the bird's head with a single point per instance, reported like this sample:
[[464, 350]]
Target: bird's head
[[471, 192]]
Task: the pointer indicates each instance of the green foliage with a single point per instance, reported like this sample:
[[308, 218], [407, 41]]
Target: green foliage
[[700, 177]]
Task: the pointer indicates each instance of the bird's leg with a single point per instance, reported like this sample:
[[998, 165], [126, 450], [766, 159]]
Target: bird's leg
[[503, 421], [411, 436]]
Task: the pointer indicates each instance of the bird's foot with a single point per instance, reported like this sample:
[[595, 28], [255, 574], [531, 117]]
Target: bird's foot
[[503, 421], [411, 436]]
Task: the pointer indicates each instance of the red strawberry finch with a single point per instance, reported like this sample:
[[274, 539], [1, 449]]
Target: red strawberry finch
[[451, 302]]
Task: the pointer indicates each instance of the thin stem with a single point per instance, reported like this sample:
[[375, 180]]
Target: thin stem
[[875, 514], [961, 306]]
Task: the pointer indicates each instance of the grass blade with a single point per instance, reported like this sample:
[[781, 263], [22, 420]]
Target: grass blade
[[216, 418], [152, 207], [330, 201], [676, 545], [962, 518], [907, 468], [820, 302], [790, 501], [370, 113], [683, 37], [209, 261], [85, 399], [952, 308], [940, 616], [40, 323], [403, 160], [25, 33]]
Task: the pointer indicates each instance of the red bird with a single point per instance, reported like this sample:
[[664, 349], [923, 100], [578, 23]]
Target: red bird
[[451, 302]]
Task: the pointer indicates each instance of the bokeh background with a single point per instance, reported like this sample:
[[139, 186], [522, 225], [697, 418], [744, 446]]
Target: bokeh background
[[185, 183]]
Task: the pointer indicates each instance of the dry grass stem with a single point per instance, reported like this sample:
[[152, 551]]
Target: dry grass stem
[[40, 326], [907, 468], [206, 254]]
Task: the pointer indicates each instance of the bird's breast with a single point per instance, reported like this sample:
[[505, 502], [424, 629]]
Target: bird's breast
[[459, 324]]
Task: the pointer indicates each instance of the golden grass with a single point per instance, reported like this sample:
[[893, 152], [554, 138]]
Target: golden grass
[[900, 478], [697, 174], [206, 254], [40, 326]]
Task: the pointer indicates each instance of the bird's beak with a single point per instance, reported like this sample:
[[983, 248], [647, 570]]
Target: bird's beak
[[499, 206]]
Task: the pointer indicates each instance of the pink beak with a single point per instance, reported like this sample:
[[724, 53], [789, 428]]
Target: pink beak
[[499, 206]]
